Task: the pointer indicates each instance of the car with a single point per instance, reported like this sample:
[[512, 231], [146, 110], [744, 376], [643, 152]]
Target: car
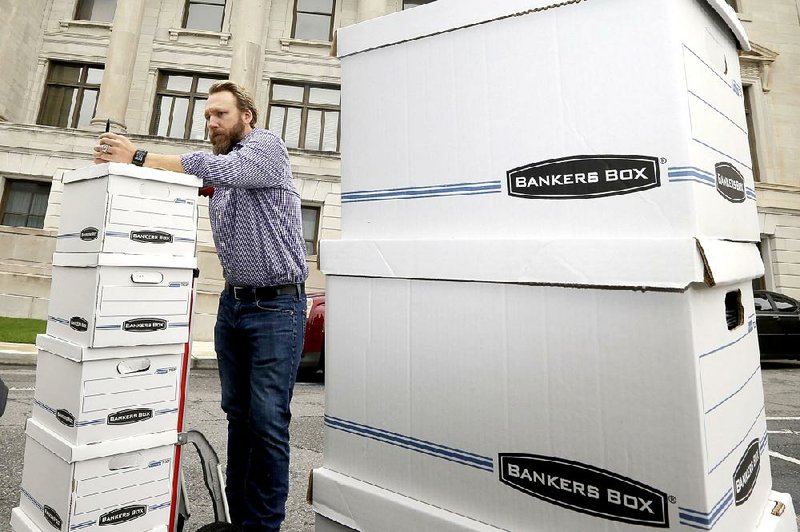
[[312, 358], [778, 323], [3, 397]]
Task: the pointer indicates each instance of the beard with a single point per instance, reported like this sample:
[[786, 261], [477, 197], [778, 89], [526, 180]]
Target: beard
[[223, 141]]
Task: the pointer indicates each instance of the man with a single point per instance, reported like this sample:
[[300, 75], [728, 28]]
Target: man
[[256, 223]]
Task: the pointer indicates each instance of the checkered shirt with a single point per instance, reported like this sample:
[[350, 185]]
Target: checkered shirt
[[255, 211]]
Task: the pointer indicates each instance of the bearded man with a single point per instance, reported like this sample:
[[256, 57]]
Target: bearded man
[[255, 219]]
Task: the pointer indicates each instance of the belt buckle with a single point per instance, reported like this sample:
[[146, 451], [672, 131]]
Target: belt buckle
[[236, 295]]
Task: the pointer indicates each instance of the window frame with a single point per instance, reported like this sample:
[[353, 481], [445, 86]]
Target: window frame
[[332, 16], [185, 18], [305, 106], [317, 227], [192, 95], [6, 192], [403, 4], [77, 9], [81, 86]]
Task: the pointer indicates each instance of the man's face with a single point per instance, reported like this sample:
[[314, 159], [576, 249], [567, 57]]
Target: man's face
[[226, 124]]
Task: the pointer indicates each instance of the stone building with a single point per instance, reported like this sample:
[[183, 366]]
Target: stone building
[[68, 65]]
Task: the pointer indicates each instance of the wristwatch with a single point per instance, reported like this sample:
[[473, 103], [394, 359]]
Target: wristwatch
[[139, 157]]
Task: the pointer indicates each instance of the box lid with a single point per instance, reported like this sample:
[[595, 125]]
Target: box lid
[[449, 15], [92, 260], [671, 264], [129, 170], [79, 353], [78, 453]]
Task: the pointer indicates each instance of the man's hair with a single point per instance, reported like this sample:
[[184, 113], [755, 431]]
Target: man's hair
[[244, 102]]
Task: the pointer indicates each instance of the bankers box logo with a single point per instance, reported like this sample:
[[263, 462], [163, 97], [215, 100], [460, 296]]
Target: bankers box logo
[[151, 237], [89, 233], [126, 417], [52, 517], [584, 176], [584, 488], [65, 418], [144, 325], [746, 473], [79, 324], [122, 515], [730, 183]]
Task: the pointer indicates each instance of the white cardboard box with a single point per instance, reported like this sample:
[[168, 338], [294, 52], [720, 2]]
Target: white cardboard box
[[122, 208], [22, 523], [473, 396], [475, 119], [90, 487], [102, 300], [98, 400], [344, 503]]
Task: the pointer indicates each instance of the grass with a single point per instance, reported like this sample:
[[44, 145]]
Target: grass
[[20, 330]]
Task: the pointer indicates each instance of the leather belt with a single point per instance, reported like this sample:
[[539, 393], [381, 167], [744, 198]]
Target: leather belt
[[261, 293]]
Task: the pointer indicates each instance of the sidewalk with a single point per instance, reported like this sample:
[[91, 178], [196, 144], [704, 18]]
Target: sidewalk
[[203, 355]]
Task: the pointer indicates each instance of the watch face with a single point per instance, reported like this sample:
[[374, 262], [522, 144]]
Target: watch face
[[138, 157]]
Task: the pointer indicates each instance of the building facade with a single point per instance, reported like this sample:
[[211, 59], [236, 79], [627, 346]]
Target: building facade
[[68, 65]]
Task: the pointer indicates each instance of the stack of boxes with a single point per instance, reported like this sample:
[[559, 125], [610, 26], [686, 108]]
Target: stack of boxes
[[540, 313], [101, 442]]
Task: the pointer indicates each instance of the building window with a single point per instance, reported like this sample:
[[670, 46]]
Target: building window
[[313, 20], [204, 15], [310, 228], [751, 133], [97, 10], [25, 203], [180, 106], [305, 116], [70, 97], [408, 4]]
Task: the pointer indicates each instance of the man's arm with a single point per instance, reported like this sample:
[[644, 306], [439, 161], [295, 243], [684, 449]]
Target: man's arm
[[121, 150]]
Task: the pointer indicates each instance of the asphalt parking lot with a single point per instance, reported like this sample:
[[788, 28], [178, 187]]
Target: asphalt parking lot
[[781, 385]]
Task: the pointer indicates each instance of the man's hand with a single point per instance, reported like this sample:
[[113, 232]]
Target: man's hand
[[113, 148]]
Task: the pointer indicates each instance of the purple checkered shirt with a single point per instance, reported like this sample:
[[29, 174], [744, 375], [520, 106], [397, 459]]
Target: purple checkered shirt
[[255, 211]]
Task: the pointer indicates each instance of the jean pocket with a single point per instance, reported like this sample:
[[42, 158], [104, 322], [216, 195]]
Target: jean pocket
[[274, 305]]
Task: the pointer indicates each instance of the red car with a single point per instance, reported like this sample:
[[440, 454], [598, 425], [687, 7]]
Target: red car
[[312, 358]]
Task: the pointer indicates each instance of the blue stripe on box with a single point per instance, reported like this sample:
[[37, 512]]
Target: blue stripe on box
[[412, 444], [430, 191]]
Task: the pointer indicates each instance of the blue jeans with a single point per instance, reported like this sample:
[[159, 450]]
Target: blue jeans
[[258, 346]]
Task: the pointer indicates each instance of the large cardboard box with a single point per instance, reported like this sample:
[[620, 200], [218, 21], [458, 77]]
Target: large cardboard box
[[86, 400], [123, 484], [475, 119], [122, 208], [103, 299], [568, 400]]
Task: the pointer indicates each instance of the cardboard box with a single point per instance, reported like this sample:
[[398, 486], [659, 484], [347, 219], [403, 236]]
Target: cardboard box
[[644, 402], [22, 523], [90, 487], [102, 300], [343, 503], [122, 208], [474, 119], [100, 400]]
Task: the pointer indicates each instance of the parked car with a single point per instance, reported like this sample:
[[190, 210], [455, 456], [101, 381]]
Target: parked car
[[313, 357], [3, 397], [778, 323]]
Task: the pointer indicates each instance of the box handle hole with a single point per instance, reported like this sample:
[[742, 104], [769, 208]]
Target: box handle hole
[[734, 311]]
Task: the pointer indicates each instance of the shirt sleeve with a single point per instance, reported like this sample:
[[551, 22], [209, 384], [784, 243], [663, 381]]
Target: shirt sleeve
[[261, 162]]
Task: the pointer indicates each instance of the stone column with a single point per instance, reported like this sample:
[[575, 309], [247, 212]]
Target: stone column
[[247, 37], [116, 85], [368, 9]]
